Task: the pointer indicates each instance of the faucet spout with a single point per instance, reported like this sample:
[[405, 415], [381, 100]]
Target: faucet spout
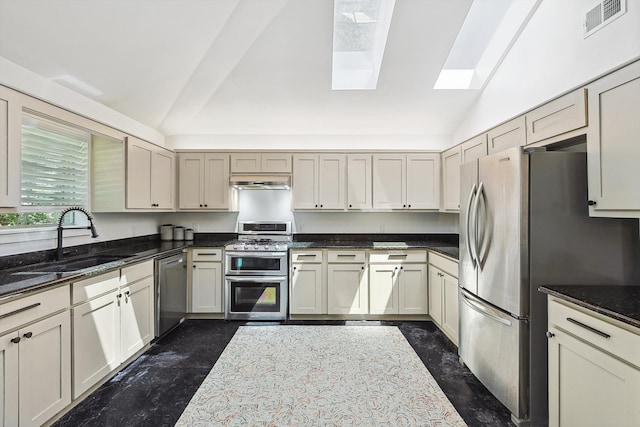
[[91, 227]]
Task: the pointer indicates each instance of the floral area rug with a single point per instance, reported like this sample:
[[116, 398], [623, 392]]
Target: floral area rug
[[286, 375]]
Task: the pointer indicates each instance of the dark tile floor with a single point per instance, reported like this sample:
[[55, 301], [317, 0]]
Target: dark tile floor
[[156, 388]]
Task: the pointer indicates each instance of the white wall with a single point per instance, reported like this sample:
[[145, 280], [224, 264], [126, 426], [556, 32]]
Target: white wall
[[30, 83], [266, 205], [310, 142], [551, 57]]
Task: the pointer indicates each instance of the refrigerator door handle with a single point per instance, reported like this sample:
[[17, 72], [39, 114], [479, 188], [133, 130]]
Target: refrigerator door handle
[[476, 207], [470, 244], [485, 311]]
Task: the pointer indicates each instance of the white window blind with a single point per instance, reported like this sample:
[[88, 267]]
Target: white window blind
[[55, 163]]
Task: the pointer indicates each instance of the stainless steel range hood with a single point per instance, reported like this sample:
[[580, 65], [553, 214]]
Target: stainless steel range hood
[[261, 182]]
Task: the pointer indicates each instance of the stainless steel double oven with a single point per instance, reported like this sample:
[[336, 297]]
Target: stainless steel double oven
[[256, 272]]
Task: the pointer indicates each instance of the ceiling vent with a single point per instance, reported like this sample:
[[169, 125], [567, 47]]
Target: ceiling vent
[[602, 14]]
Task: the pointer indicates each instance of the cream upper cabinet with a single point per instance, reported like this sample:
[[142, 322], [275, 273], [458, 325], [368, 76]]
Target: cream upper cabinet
[[319, 181], [406, 181], [507, 135], [203, 181], [561, 115], [359, 181], [592, 360], [10, 137], [474, 148], [307, 287], [613, 149], [260, 163], [150, 176], [451, 160]]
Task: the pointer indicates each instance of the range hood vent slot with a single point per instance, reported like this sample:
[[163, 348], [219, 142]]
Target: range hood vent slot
[[261, 182]]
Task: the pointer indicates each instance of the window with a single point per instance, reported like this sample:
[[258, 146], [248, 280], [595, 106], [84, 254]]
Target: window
[[55, 171]]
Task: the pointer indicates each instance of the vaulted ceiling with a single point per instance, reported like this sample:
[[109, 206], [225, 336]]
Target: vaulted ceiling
[[238, 66]]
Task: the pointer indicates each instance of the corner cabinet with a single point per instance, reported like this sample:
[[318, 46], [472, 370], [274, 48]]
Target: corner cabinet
[[319, 181], [150, 176], [613, 144], [594, 369], [406, 181]]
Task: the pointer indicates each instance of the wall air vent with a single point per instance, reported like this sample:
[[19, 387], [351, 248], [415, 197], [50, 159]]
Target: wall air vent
[[602, 14]]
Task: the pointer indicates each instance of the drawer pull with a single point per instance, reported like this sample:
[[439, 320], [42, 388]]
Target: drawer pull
[[346, 255], [206, 254], [306, 255], [398, 256], [20, 310], [589, 328]]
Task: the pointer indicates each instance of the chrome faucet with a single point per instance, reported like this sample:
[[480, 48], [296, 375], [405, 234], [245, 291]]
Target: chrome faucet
[[91, 227]]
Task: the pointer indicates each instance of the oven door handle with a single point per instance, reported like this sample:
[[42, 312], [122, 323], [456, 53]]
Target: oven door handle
[[261, 279]]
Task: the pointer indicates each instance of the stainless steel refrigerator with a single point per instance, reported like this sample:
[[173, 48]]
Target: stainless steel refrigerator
[[524, 223]]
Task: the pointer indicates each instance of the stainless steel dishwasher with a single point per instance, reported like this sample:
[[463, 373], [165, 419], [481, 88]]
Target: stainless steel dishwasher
[[171, 292]]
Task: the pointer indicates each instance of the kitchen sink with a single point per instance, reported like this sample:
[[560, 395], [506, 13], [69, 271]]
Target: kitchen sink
[[77, 264]]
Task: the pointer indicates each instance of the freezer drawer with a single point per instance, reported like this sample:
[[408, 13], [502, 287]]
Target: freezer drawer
[[494, 346]]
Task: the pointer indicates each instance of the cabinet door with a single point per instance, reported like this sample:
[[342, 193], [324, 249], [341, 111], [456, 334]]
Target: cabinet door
[[389, 181], [306, 289], [9, 380], [588, 387], [96, 341], [435, 294], [276, 162], [413, 289], [508, 135], [45, 369], [332, 173], [474, 148], [561, 115], [359, 181], [612, 144], [304, 193], [216, 181], [246, 162], [139, 158], [383, 288], [206, 287], [191, 181], [136, 317], [10, 137], [451, 160], [450, 307], [423, 181], [162, 178], [347, 289]]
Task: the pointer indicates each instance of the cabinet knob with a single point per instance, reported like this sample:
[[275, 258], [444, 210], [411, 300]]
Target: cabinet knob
[[350, 206], [409, 205], [28, 335], [15, 340], [362, 267], [320, 205], [206, 205], [401, 268], [550, 334], [592, 202], [316, 206], [193, 266], [200, 204]]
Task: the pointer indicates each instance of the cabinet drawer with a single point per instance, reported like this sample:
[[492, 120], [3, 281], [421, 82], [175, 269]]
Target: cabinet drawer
[[346, 256], [207, 254], [397, 256], [306, 256], [94, 286], [598, 332], [136, 272], [445, 264], [25, 310]]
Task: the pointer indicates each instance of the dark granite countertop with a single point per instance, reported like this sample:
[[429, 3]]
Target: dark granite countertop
[[618, 302]]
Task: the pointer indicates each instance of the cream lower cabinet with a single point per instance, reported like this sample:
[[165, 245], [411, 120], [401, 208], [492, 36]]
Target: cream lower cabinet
[[112, 320], [443, 294], [35, 360], [398, 282], [594, 369], [206, 281], [347, 282], [306, 283]]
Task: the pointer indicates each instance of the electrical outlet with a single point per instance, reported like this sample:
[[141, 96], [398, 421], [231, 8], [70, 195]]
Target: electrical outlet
[[382, 228], [195, 226]]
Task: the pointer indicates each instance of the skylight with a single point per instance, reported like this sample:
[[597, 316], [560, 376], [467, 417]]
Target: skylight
[[360, 29], [488, 32]]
